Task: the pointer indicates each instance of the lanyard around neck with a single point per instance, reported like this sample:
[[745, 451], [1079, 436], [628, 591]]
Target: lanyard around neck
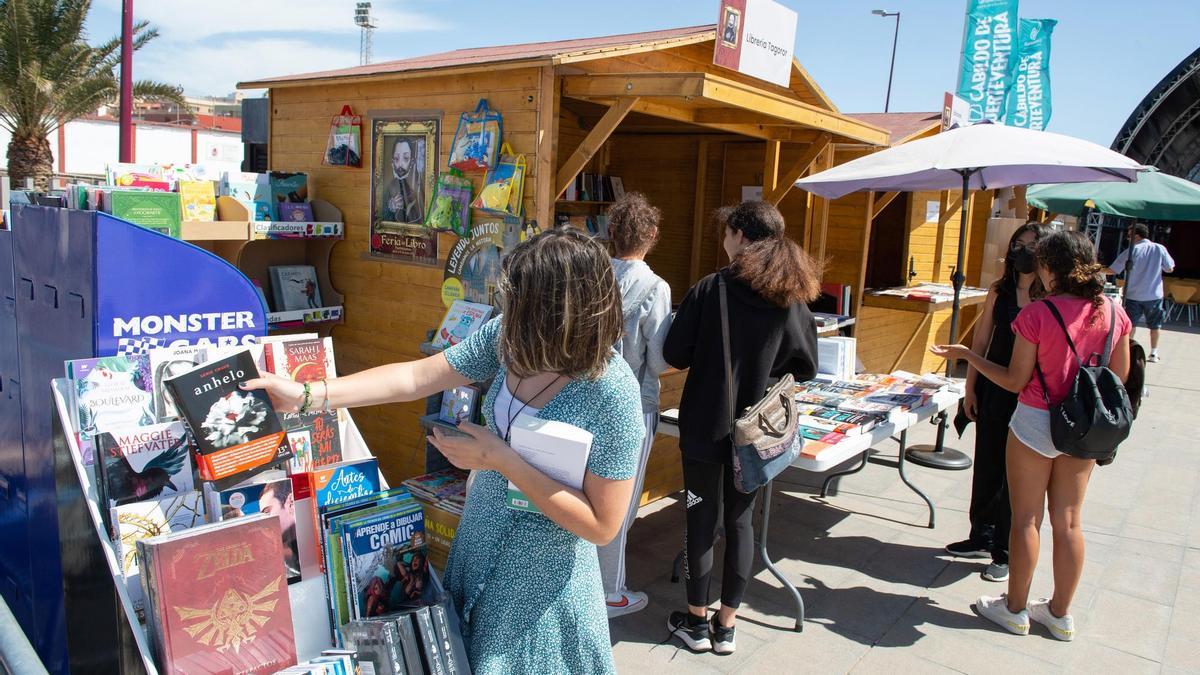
[[513, 399]]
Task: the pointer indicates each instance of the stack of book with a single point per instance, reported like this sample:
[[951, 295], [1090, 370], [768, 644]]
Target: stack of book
[[419, 638], [445, 489]]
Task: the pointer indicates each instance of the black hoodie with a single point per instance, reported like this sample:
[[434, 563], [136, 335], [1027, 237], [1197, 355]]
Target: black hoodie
[[765, 340]]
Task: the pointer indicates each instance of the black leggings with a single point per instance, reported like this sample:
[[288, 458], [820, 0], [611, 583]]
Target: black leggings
[[709, 491], [990, 513]]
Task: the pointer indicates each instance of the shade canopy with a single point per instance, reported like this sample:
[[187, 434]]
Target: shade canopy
[[991, 155], [1155, 196]]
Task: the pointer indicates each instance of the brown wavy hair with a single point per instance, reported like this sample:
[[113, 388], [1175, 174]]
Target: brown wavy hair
[[1071, 258], [561, 306], [633, 224], [773, 265]]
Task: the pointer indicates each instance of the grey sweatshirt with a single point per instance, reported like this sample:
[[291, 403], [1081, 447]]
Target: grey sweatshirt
[[646, 302]]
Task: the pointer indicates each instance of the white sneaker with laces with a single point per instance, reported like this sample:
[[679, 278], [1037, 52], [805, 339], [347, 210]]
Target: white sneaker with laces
[[1061, 627], [627, 602], [996, 610]]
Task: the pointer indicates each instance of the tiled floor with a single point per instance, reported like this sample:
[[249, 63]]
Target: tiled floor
[[881, 596]]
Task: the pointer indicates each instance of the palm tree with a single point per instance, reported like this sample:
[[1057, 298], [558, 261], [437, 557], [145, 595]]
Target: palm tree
[[50, 75]]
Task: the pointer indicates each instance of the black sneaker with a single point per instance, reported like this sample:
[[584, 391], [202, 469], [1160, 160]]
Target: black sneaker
[[968, 549], [722, 637], [693, 630]]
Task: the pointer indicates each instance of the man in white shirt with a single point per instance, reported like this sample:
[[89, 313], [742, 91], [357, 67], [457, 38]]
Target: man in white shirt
[[1143, 283]]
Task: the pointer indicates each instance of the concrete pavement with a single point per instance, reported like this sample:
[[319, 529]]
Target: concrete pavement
[[882, 596]]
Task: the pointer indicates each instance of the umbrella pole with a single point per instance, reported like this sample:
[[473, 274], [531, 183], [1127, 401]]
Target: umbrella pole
[[938, 456]]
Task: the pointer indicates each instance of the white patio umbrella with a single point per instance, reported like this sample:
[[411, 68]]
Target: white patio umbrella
[[982, 156]]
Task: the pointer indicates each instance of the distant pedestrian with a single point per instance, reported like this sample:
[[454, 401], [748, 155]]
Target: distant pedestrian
[[771, 333], [1038, 473], [1144, 282]]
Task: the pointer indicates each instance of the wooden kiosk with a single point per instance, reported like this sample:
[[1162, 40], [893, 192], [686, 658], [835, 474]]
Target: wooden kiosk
[[650, 108]]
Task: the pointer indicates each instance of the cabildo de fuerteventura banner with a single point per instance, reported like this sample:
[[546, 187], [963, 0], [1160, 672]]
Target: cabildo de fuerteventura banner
[[988, 41], [1028, 103]]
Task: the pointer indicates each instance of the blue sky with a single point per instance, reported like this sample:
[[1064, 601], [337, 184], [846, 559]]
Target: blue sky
[[1106, 54]]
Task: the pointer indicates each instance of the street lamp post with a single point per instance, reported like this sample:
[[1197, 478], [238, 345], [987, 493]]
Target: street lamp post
[[892, 69]]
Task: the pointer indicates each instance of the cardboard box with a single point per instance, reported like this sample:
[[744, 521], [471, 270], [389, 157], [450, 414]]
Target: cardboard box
[[440, 528]]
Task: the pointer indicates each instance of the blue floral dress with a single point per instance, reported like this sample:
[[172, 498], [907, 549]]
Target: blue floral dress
[[528, 591]]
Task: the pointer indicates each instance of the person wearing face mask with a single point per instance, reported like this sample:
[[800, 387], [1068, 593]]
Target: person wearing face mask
[[991, 407]]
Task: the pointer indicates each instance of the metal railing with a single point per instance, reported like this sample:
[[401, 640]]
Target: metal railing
[[17, 656]]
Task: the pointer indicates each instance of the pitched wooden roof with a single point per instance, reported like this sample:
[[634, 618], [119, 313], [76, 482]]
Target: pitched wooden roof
[[902, 127]]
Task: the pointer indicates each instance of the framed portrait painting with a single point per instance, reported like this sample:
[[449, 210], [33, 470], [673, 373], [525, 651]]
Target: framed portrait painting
[[404, 162]]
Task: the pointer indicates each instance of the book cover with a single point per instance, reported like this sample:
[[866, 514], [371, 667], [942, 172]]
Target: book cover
[[557, 449], [461, 320], [110, 391], [287, 187], [860, 423], [898, 400], [337, 484], [165, 363], [828, 426], [272, 497], [433, 487], [145, 176], [386, 559], [141, 520], [820, 435], [295, 212], [430, 649], [246, 186], [460, 404], [301, 360], [315, 439], [236, 432], [158, 211], [295, 287], [218, 598], [136, 463], [377, 642], [453, 648], [410, 644], [198, 199]]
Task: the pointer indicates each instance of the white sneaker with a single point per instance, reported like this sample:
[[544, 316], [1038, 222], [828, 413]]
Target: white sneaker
[[1153, 358], [996, 610], [1061, 627], [626, 603]]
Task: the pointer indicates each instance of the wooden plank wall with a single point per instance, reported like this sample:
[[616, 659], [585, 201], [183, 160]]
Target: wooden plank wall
[[389, 306]]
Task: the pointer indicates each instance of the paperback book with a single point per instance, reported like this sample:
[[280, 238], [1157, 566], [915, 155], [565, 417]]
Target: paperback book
[[165, 363], [198, 199], [158, 211], [295, 287], [461, 320], [295, 212], [137, 463], [287, 187], [301, 360], [386, 559], [860, 423], [237, 433], [272, 496], [110, 391], [315, 439], [335, 484], [141, 520], [217, 598]]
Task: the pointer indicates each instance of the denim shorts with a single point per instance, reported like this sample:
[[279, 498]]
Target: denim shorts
[[1031, 426], [1150, 310]]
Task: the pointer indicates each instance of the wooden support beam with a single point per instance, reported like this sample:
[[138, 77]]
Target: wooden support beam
[[865, 247], [770, 181], [825, 162], [592, 143], [798, 169], [698, 214], [880, 203], [547, 146]]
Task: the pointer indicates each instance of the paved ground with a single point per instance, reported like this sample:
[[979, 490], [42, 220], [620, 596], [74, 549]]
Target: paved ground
[[881, 596]]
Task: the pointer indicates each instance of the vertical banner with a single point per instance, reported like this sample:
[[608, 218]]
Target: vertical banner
[[987, 51], [755, 38], [1028, 103]]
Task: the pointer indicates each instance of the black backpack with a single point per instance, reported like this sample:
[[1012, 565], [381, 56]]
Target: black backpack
[[1096, 415]]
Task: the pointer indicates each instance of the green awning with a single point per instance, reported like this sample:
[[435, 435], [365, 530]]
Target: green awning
[[1155, 196]]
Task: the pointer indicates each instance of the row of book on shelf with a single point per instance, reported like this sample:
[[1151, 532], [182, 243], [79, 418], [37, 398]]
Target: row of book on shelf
[[215, 502], [594, 187]]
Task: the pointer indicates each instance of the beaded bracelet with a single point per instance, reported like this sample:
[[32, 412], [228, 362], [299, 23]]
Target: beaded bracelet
[[307, 398]]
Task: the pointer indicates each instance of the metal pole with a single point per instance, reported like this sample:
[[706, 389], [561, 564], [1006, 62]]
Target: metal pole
[[892, 69], [125, 147], [958, 278]]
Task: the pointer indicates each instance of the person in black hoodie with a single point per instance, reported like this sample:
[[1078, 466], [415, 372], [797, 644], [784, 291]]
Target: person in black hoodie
[[768, 282]]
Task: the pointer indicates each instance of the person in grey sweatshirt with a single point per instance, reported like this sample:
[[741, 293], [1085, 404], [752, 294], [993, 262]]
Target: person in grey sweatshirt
[[646, 303]]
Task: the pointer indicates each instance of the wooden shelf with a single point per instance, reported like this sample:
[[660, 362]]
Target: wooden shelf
[[332, 313], [587, 202]]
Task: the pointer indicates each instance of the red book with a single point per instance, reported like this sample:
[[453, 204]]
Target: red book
[[219, 598], [301, 360]]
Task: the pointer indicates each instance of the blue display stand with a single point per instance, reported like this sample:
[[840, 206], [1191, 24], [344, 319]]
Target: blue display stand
[[76, 284]]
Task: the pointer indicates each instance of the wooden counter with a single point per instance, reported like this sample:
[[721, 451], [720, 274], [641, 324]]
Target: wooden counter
[[895, 333]]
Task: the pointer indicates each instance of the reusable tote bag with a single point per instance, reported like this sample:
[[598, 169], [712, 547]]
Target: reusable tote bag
[[477, 139], [765, 438], [505, 185], [345, 134], [451, 205]]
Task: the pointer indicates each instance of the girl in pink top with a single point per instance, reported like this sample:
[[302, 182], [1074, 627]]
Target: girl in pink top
[[1037, 471]]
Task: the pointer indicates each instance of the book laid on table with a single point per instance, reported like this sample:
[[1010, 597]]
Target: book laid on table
[[137, 463], [141, 520], [461, 320], [557, 449], [237, 432], [270, 494], [107, 392], [218, 598], [859, 423]]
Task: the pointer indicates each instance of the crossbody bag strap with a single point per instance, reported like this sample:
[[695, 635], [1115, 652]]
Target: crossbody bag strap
[[725, 346], [1062, 324]]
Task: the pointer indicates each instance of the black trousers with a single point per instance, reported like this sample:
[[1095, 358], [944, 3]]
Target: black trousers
[[990, 511], [711, 497]]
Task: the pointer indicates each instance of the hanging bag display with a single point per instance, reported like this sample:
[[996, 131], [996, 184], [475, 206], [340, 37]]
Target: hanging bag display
[[450, 208], [766, 437], [477, 139], [1096, 414], [345, 134], [505, 185]]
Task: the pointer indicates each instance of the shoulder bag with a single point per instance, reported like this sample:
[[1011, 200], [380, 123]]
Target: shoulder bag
[[765, 439], [1096, 415]]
